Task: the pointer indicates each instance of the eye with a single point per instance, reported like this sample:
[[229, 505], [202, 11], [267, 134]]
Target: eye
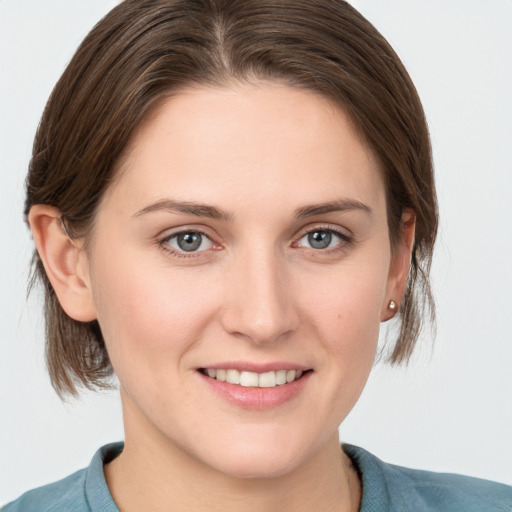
[[322, 239], [187, 241]]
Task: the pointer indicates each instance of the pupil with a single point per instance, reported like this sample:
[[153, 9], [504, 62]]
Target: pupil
[[320, 239], [189, 241]]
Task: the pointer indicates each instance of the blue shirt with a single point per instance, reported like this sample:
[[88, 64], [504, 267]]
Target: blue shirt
[[386, 488]]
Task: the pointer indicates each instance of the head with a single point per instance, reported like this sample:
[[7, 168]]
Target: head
[[149, 62]]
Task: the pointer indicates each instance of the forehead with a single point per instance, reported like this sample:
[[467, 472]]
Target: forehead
[[247, 144]]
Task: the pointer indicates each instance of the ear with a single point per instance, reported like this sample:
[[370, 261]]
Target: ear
[[65, 262], [399, 267]]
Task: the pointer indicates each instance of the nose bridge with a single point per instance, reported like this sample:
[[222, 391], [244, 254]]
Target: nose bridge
[[259, 302]]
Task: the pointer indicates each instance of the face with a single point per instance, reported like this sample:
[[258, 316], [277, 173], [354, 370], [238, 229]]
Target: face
[[244, 239]]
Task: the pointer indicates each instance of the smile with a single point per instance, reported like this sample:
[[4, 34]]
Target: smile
[[252, 379]]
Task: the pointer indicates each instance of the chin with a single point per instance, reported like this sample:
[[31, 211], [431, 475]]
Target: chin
[[260, 466], [259, 456]]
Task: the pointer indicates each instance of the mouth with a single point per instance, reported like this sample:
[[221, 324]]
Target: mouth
[[257, 386], [248, 379]]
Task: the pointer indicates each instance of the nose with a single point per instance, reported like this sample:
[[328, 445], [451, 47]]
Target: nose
[[258, 302]]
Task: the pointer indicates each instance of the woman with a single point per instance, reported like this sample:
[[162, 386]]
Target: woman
[[227, 198]]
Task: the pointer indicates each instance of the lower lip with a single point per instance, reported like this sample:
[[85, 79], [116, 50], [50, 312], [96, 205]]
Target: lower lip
[[257, 398]]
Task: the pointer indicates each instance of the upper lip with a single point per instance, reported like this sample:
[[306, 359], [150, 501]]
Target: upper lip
[[246, 366]]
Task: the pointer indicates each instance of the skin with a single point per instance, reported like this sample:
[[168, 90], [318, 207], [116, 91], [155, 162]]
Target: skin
[[256, 290]]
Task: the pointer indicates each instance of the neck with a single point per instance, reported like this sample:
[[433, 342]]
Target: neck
[[154, 474]]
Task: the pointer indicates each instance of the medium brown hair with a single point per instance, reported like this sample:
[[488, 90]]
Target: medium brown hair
[[145, 50]]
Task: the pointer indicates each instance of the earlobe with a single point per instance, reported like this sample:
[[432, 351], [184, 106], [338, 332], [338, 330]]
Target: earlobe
[[399, 268], [65, 263]]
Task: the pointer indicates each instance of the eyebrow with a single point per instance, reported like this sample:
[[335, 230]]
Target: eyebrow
[[212, 212], [340, 205], [187, 207]]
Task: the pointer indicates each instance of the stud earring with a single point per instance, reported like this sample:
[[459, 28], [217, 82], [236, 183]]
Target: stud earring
[[392, 305]]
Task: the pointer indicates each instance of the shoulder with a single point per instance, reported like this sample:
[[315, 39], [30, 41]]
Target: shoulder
[[391, 487], [66, 494], [83, 491], [446, 491]]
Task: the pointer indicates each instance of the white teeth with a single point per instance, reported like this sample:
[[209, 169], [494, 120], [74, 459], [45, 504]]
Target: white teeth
[[267, 380], [233, 376], [290, 375], [253, 379], [281, 377], [249, 379]]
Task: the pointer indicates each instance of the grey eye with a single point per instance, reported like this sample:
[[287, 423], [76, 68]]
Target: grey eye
[[321, 239], [190, 241]]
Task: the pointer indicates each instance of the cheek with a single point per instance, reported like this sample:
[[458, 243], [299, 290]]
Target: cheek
[[345, 313], [148, 314], [348, 301]]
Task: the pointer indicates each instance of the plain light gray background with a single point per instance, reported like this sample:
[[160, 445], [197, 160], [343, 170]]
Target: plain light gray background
[[451, 409]]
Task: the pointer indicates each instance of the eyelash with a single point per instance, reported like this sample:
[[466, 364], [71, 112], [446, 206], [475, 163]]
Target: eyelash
[[345, 241], [164, 243], [343, 244]]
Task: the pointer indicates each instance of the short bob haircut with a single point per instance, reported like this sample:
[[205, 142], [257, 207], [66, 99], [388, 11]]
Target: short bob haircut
[[144, 51]]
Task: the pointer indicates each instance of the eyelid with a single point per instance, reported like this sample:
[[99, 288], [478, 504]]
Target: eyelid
[[204, 240], [344, 233], [202, 230], [163, 241], [346, 239]]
